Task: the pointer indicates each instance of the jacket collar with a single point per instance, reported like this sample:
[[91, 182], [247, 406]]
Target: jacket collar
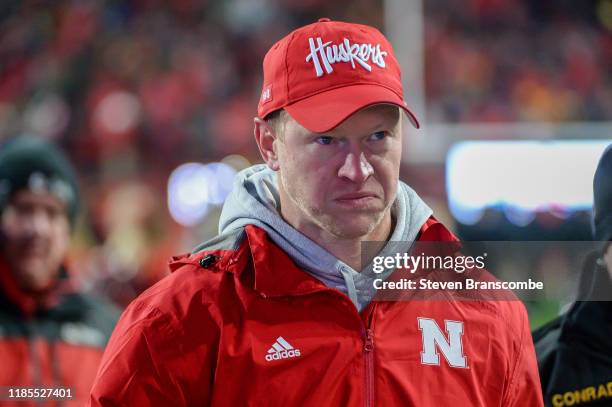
[[28, 303], [591, 321], [276, 275]]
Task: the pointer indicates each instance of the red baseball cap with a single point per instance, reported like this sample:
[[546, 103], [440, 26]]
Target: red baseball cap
[[324, 72]]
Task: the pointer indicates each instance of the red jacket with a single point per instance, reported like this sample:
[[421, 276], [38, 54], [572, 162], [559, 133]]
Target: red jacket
[[52, 341], [238, 323]]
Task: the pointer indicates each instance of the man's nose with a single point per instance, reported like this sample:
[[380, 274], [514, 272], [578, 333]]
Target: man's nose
[[356, 167], [39, 224]]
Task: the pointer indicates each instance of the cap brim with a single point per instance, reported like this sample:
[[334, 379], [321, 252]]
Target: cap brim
[[324, 111]]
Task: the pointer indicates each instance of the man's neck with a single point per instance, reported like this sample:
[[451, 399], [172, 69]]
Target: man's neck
[[349, 250]]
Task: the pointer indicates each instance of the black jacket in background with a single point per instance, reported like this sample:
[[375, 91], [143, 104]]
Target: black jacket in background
[[574, 351]]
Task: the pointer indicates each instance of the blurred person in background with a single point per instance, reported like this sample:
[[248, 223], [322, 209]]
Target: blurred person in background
[[51, 335], [575, 350], [278, 309]]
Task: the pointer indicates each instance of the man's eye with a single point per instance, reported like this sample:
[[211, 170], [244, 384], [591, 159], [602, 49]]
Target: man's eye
[[23, 210], [53, 213], [379, 135], [325, 140]]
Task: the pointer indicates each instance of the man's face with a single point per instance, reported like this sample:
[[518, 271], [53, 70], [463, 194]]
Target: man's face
[[37, 234], [345, 181]]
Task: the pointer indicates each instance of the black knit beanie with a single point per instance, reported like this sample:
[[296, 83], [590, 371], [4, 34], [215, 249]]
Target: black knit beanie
[[602, 197], [32, 163]]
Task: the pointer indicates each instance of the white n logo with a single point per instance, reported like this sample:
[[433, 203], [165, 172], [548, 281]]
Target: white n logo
[[434, 339]]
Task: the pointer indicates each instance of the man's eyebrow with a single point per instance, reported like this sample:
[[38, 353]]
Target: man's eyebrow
[[384, 123]]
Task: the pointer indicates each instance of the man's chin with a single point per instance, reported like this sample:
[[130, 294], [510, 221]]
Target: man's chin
[[32, 277], [355, 227]]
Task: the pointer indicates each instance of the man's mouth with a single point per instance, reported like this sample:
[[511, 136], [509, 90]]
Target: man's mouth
[[33, 249], [357, 199]]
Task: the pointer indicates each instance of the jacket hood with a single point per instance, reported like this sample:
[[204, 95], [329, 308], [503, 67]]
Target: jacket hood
[[255, 200]]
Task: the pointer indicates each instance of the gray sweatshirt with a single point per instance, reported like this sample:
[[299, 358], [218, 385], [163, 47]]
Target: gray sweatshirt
[[255, 200]]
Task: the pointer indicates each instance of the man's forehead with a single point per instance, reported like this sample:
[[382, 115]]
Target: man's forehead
[[366, 119], [30, 198], [381, 111]]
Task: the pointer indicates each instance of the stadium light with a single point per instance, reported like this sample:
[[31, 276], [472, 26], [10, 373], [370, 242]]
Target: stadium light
[[521, 178], [194, 187]]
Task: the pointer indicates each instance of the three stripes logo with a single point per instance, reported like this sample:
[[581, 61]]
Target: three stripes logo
[[281, 349]]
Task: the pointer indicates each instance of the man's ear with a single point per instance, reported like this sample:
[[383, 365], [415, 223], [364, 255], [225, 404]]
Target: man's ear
[[265, 138]]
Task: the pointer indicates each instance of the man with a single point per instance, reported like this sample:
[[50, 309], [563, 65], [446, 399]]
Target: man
[[50, 335], [575, 350], [277, 310]]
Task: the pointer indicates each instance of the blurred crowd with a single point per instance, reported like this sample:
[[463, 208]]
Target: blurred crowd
[[132, 89], [512, 60]]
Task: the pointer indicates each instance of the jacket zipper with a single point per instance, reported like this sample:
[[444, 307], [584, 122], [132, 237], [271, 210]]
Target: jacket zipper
[[35, 362], [368, 350], [55, 365]]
